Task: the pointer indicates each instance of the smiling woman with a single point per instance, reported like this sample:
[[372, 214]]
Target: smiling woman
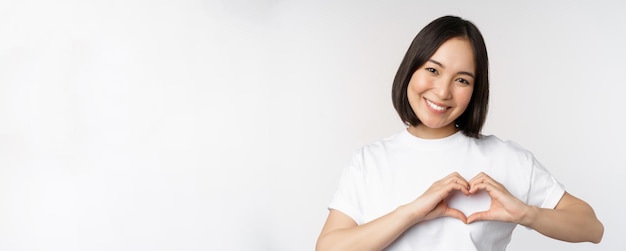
[[440, 90], [393, 196]]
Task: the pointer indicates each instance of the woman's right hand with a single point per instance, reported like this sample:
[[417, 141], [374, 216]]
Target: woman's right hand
[[432, 204], [341, 232]]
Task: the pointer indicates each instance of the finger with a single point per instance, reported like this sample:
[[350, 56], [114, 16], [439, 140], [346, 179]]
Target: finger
[[457, 182], [476, 180], [451, 182], [453, 178], [479, 177], [475, 177], [458, 179], [456, 175], [478, 216], [461, 187], [491, 180], [455, 213], [483, 178], [487, 186], [444, 190], [446, 180]]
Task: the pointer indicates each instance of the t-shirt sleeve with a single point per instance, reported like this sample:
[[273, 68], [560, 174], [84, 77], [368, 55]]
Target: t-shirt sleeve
[[346, 198], [545, 191]]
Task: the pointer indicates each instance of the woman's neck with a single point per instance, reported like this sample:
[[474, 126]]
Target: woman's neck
[[425, 132]]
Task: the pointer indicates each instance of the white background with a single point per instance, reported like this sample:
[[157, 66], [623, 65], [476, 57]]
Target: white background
[[224, 125]]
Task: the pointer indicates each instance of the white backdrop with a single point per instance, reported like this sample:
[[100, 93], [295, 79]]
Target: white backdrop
[[223, 125]]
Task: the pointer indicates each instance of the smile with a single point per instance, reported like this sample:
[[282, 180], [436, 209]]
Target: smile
[[435, 107]]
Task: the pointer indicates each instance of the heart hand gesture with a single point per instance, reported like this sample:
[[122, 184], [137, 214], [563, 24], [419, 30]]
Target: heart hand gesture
[[504, 206], [432, 204]]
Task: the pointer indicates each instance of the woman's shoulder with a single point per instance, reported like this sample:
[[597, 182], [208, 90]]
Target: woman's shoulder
[[494, 144]]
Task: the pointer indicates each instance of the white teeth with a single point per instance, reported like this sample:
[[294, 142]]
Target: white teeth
[[436, 107]]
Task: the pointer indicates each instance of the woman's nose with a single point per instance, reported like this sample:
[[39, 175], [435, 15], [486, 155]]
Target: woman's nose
[[442, 89]]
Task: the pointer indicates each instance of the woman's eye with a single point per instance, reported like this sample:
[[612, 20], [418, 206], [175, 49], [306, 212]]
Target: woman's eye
[[462, 80], [431, 70]]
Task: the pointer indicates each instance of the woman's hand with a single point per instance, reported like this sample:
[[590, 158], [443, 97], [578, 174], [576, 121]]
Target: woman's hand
[[504, 206], [432, 204], [571, 220]]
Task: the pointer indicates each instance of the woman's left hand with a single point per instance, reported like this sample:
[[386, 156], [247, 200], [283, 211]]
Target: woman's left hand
[[504, 206]]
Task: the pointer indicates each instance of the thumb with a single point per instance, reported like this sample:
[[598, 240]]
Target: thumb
[[478, 216], [455, 213]]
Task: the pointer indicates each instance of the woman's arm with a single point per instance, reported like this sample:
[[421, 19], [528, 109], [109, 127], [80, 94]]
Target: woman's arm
[[341, 232], [572, 219]]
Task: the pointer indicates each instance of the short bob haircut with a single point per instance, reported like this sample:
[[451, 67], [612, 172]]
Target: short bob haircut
[[422, 48]]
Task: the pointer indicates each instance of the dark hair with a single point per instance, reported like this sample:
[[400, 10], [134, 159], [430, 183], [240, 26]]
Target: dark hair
[[422, 48]]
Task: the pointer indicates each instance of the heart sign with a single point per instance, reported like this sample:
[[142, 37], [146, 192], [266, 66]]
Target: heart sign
[[469, 204]]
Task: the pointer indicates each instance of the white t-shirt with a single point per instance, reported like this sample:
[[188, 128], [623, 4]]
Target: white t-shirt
[[398, 169]]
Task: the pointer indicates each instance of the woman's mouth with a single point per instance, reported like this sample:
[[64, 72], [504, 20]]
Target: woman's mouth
[[435, 106]]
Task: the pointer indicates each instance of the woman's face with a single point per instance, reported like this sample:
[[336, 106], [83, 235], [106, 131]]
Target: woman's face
[[440, 90]]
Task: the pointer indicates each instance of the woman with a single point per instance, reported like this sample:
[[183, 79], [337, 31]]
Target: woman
[[393, 196]]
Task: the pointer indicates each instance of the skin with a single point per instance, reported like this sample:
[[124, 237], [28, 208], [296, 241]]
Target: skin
[[447, 81]]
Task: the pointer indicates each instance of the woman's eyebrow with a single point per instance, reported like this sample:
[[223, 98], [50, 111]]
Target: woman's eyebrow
[[461, 72], [467, 73], [437, 63]]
